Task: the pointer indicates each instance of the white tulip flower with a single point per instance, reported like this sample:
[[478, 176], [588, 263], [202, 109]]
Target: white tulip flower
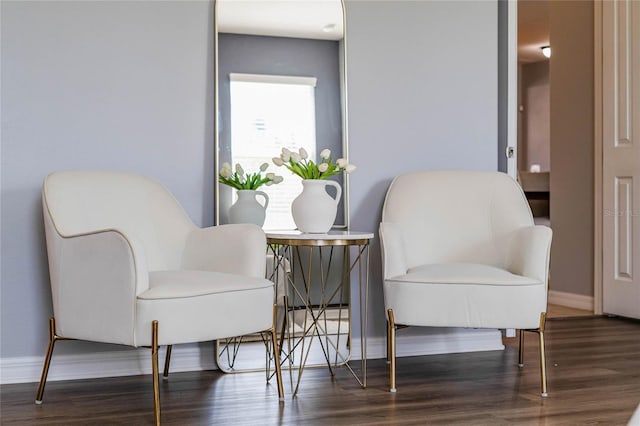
[[240, 180], [274, 179], [285, 155], [225, 171], [298, 163]]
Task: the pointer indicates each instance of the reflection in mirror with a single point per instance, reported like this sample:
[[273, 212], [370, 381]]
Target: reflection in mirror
[[280, 83]]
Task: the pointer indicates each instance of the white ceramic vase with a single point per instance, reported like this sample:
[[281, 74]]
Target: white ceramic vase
[[314, 210], [247, 209]]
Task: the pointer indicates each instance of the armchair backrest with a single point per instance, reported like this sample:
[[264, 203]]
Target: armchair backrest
[[456, 216], [81, 202]]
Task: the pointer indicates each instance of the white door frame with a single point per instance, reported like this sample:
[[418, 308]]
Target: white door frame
[[512, 88]]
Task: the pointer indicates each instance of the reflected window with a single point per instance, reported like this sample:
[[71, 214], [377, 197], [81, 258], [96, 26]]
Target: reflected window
[[267, 113]]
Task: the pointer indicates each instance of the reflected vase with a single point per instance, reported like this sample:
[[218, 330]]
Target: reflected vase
[[247, 208], [314, 210]]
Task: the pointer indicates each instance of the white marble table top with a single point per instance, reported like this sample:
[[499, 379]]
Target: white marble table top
[[331, 235]]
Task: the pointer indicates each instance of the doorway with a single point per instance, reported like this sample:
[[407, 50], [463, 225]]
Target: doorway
[[534, 137], [539, 154]]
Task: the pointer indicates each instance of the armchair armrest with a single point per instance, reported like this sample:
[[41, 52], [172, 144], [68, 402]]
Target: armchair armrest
[[236, 249], [530, 250], [392, 249], [95, 278]]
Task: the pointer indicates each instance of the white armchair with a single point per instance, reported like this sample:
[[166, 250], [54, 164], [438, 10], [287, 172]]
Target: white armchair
[[459, 249], [127, 266]]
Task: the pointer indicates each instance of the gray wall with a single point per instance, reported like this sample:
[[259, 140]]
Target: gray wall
[[127, 85], [422, 95], [572, 146], [96, 85]]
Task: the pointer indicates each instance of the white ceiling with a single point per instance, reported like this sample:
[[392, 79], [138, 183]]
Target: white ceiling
[[533, 29], [318, 19]]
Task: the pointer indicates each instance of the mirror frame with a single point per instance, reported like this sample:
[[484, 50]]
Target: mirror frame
[[342, 60]]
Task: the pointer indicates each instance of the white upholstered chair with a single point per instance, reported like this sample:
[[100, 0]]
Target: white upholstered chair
[[128, 266], [459, 249]]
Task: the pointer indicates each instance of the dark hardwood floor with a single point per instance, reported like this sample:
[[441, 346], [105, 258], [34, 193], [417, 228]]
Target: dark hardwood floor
[[593, 368]]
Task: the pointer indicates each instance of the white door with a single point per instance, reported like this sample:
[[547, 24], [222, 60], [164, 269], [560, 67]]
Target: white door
[[621, 157]]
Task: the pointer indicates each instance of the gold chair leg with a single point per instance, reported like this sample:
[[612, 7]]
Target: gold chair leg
[[167, 360], [543, 363], [391, 350], [521, 349], [388, 342], [47, 359], [154, 368], [276, 353]]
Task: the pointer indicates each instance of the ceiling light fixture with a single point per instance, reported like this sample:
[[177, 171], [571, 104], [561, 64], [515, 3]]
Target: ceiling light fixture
[[546, 51]]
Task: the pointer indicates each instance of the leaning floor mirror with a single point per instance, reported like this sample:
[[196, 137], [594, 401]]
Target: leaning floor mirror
[[280, 83], [280, 74]]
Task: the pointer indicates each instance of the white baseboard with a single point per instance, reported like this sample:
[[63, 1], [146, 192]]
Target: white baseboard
[[571, 300], [415, 342], [104, 364], [410, 342]]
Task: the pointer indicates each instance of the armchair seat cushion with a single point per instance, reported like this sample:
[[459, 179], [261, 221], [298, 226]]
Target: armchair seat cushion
[[465, 295], [180, 284], [197, 306], [463, 273]]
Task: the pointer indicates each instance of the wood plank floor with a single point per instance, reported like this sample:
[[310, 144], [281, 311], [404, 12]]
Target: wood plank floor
[[593, 367], [559, 311]]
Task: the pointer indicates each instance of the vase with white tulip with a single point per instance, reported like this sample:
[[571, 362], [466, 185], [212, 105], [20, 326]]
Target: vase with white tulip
[[314, 210], [247, 208]]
